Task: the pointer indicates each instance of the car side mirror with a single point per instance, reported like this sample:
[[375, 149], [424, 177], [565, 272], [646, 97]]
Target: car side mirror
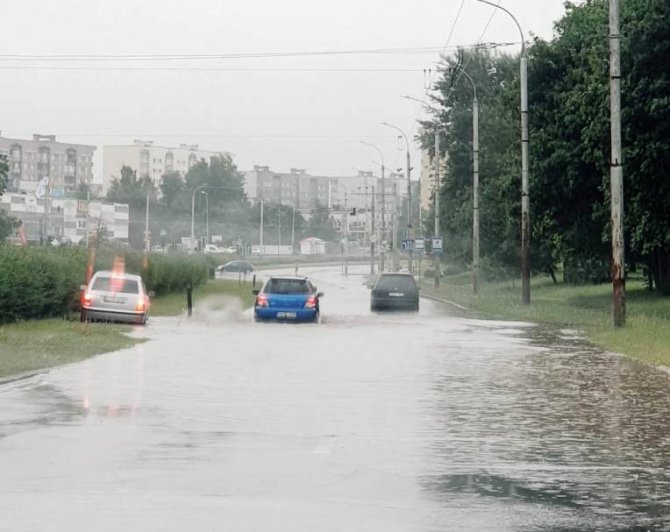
[[319, 294], [255, 292]]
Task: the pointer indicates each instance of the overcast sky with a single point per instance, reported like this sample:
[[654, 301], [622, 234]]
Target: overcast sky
[[256, 108]]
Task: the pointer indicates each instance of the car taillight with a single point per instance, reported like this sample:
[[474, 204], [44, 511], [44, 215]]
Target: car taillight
[[262, 300], [86, 299], [142, 304], [311, 302]]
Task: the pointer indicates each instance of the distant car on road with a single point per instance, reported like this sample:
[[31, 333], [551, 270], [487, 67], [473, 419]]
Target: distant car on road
[[111, 296], [236, 266], [393, 291], [211, 249], [294, 299]]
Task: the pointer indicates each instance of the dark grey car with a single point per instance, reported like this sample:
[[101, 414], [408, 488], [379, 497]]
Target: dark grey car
[[394, 291]]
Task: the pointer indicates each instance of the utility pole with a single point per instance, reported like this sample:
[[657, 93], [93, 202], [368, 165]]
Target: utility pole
[[383, 233], [261, 228], [293, 231], [383, 218], [278, 228], [616, 171], [396, 219], [436, 231], [372, 234], [475, 182], [525, 194], [206, 216], [147, 241], [475, 195], [409, 188]]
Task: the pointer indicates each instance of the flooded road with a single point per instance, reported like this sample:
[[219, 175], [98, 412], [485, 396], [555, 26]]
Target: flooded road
[[364, 422]]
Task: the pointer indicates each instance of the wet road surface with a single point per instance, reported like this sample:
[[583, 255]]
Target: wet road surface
[[364, 422]]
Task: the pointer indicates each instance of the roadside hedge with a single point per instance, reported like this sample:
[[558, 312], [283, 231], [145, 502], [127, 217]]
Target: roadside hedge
[[45, 282]]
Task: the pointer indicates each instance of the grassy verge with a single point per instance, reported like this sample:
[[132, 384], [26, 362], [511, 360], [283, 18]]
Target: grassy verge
[[173, 304], [33, 345], [588, 308]]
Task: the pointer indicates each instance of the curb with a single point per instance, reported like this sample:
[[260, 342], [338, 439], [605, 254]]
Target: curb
[[22, 376], [446, 301]]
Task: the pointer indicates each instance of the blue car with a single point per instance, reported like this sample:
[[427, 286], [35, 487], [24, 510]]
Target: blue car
[[292, 299]]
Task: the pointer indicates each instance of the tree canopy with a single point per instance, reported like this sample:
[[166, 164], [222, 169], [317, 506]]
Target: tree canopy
[[569, 146]]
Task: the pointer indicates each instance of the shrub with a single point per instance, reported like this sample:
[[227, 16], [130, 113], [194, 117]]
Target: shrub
[[45, 282]]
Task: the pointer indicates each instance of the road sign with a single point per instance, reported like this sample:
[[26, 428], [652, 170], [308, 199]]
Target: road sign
[[419, 244], [437, 244]]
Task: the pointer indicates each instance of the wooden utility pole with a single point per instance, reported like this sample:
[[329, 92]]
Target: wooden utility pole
[[616, 171]]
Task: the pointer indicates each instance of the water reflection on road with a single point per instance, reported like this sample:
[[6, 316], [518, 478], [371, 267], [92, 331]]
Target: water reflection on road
[[364, 422]]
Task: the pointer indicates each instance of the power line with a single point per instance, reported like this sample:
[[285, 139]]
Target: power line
[[202, 69], [247, 55]]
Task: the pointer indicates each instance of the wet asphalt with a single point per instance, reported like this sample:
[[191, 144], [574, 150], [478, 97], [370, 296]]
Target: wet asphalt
[[364, 422]]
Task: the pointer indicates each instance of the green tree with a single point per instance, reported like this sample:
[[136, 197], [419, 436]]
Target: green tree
[[171, 188], [133, 191], [321, 225], [496, 81]]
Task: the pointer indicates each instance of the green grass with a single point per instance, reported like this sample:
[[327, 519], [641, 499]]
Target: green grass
[[34, 345], [174, 304], [646, 335]]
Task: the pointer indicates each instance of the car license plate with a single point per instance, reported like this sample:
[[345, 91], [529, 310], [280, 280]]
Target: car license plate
[[287, 315], [113, 299], [396, 294]]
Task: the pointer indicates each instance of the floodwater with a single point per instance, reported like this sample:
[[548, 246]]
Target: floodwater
[[364, 422]]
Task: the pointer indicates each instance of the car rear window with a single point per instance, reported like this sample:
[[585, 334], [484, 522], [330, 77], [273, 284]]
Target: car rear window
[[286, 286], [116, 284], [396, 282]]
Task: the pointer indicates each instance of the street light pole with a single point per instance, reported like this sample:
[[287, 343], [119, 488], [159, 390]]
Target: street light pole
[[616, 171], [475, 183], [409, 187], [195, 191], [147, 241], [381, 155], [436, 231], [525, 197], [206, 215]]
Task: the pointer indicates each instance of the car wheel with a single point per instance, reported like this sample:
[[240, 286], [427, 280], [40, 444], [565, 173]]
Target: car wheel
[[83, 316], [143, 321]]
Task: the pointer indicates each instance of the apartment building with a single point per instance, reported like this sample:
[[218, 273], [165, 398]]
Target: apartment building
[[150, 160], [66, 165], [66, 217], [296, 187]]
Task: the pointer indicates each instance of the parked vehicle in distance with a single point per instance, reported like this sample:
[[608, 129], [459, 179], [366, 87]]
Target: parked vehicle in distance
[[111, 296], [394, 291], [211, 249], [293, 299], [231, 250], [236, 266]]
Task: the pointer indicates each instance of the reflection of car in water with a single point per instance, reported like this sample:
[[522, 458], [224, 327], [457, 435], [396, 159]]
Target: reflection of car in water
[[287, 299], [394, 291], [236, 266], [112, 296]]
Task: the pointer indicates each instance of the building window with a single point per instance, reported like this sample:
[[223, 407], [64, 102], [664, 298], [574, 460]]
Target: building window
[[169, 162]]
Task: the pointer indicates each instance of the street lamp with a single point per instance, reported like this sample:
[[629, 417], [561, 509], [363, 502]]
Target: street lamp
[[203, 192], [381, 155], [409, 187], [475, 182], [525, 198], [195, 191]]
